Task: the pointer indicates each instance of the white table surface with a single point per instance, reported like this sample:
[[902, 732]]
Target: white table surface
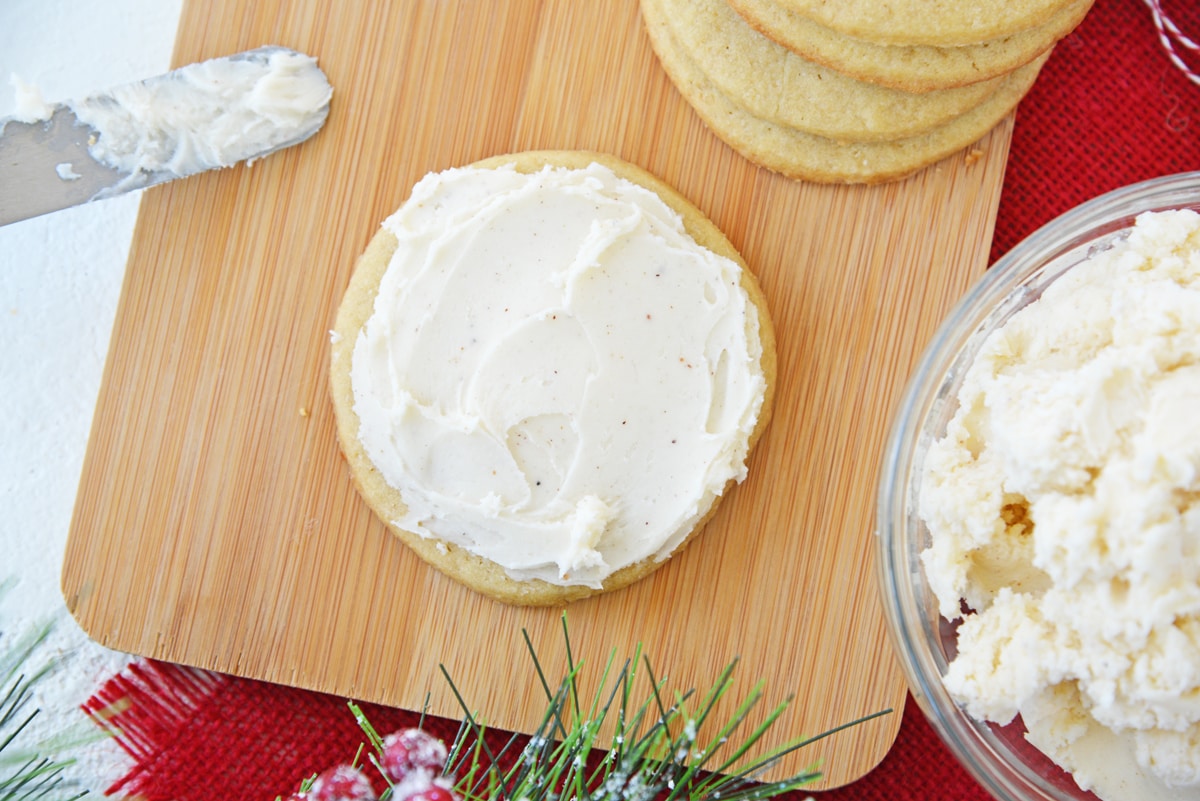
[[60, 277]]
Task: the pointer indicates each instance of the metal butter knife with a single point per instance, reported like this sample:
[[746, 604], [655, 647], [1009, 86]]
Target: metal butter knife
[[200, 117]]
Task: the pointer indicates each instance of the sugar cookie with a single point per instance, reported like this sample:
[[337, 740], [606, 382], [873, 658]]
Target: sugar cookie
[[914, 68]]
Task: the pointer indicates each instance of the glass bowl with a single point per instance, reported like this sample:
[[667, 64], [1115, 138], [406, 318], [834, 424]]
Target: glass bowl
[[998, 757]]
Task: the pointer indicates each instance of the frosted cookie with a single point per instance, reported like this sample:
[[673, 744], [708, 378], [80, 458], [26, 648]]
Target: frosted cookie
[[547, 370], [774, 84], [914, 68], [942, 22], [801, 155]]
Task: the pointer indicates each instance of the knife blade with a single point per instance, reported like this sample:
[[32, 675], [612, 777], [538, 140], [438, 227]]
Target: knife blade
[[204, 116]]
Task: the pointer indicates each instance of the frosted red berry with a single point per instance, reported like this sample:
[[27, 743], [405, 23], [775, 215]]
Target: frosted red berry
[[410, 750], [434, 792], [343, 783]]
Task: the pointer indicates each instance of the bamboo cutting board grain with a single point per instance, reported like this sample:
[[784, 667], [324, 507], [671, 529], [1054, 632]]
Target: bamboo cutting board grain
[[216, 524]]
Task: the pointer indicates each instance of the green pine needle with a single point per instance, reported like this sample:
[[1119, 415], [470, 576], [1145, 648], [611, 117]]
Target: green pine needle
[[655, 752], [26, 775]]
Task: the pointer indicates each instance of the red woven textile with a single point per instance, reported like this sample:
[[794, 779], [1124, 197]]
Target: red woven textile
[[1109, 109], [206, 736], [199, 736]]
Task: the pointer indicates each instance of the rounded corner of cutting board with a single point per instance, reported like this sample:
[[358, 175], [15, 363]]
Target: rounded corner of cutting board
[[874, 744], [76, 592]]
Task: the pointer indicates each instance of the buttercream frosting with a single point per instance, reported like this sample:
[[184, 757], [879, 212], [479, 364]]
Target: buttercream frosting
[[211, 114], [1063, 505]]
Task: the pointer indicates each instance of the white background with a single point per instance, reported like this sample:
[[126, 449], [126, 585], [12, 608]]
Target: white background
[[60, 276]]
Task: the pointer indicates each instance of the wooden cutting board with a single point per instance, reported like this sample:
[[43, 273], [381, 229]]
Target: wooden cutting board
[[216, 524]]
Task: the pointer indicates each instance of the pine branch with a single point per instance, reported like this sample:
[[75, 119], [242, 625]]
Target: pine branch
[[26, 776], [655, 751]]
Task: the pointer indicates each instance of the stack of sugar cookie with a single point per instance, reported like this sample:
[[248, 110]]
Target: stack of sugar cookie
[[855, 91]]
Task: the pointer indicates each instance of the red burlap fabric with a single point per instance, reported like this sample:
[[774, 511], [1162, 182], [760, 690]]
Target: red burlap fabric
[[1108, 110]]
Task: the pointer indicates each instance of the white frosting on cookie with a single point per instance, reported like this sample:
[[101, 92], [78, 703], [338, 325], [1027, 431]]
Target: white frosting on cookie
[[555, 375]]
